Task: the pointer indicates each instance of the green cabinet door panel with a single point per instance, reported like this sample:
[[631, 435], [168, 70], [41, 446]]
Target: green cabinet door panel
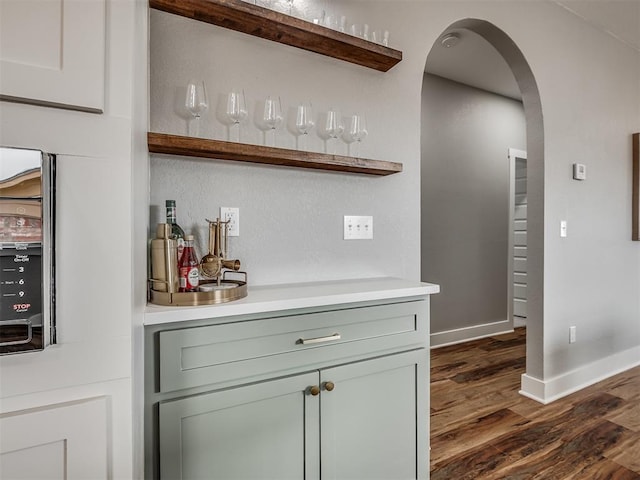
[[368, 420], [264, 431]]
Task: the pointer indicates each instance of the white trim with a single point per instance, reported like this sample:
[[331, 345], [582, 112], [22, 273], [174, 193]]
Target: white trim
[[532, 388], [547, 391], [515, 153], [466, 334]]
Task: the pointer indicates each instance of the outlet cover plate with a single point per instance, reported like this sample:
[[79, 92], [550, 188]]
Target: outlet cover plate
[[232, 215]]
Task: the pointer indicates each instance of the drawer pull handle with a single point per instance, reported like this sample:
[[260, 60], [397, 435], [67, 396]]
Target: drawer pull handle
[[315, 390], [329, 386], [309, 341]]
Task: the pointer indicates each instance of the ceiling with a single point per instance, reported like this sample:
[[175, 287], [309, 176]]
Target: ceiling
[[473, 61]]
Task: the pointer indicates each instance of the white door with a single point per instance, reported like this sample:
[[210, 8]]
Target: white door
[[518, 235]]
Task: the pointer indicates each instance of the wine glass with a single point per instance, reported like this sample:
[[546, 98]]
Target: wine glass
[[304, 123], [357, 131], [236, 112], [333, 128], [271, 118], [196, 102]]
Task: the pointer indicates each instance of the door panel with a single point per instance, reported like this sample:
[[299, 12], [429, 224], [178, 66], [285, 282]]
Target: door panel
[[520, 251], [261, 431], [65, 441], [52, 52], [368, 421]]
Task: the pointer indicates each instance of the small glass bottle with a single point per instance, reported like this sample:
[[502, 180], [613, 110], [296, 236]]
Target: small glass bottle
[[188, 267], [177, 233]]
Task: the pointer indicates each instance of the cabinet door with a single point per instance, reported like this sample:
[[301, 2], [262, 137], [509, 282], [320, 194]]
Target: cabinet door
[[64, 441], [374, 421], [268, 430], [52, 52]]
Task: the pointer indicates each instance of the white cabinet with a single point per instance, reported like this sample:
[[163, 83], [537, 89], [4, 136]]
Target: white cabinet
[[66, 441], [52, 52]]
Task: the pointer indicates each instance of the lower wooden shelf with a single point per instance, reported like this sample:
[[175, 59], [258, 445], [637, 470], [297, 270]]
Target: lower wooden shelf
[[241, 152]]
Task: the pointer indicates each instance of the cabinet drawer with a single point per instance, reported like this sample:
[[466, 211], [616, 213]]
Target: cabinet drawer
[[234, 351]]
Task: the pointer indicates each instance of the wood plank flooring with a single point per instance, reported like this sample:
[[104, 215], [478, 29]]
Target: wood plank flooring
[[482, 428]]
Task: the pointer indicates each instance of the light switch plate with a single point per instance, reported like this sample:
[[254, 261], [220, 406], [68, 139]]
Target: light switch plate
[[358, 227], [579, 171]]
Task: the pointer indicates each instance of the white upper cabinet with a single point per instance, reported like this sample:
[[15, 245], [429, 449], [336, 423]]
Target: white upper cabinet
[[52, 52]]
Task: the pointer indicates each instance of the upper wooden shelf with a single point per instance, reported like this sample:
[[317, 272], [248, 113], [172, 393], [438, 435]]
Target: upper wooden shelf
[[219, 150], [278, 27]]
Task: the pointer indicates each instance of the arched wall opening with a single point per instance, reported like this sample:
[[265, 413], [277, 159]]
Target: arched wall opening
[[525, 79]]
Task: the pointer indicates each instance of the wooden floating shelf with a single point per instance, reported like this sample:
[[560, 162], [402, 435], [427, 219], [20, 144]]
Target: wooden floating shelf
[[241, 152], [279, 27]]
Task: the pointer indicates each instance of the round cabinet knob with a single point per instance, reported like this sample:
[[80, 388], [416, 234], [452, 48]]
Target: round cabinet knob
[[329, 386], [315, 390]]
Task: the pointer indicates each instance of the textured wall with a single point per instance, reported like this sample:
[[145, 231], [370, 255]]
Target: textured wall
[[291, 220], [466, 134]]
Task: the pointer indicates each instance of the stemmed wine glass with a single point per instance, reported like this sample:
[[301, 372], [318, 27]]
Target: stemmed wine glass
[[357, 132], [304, 123], [271, 118], [236, 112], [333, 128], [196, 102]]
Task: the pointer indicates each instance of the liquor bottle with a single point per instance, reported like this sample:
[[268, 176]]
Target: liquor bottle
[[188, 267], [176, 231]]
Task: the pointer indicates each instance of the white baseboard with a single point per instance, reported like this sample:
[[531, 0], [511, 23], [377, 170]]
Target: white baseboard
[[546, 391], [460, 335]]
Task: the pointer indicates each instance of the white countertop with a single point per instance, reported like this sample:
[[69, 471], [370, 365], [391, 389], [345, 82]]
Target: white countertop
[[273, 298]]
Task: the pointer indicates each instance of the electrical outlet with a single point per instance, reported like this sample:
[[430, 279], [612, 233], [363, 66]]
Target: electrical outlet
[[358, 227], [231, 215], [572, 334], [563, 228]]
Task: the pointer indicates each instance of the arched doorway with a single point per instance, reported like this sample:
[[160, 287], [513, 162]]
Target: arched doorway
[[524, 77]]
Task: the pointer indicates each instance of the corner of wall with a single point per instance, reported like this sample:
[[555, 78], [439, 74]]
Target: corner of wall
[[547, 391]]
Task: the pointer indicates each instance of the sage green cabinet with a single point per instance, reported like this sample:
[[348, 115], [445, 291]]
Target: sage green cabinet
[[372, 423], [358, 423], [269, 430], [317, 394]]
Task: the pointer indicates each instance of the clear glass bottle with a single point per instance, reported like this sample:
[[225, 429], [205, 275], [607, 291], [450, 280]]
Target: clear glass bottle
[[188, 267], [177, 233]]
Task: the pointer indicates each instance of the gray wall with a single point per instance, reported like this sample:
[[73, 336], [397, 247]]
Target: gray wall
[[466, 134], [291, 220]]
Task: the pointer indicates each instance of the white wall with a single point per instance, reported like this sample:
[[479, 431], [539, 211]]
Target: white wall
[[466, 134], [291, 219], [93, 356]]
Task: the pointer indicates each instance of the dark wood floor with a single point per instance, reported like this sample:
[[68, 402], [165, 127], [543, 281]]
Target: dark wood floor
[[481, 428]]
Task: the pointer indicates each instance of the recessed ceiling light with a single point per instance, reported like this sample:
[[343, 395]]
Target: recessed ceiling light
[[450, 40]]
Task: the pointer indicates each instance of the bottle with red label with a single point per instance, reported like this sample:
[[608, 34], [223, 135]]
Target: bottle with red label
[[188, 267]]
